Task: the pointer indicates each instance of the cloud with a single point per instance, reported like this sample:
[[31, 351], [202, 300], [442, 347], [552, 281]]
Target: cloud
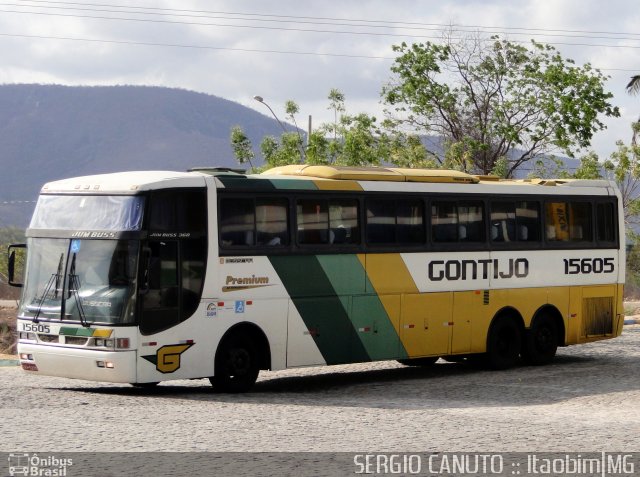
[[236, 49]]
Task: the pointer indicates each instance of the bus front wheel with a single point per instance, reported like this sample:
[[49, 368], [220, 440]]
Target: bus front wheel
[[504, 342], [236, 365]]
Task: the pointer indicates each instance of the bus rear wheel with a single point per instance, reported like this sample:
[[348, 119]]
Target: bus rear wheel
[[504, 343], [236, 365], [541, 342]]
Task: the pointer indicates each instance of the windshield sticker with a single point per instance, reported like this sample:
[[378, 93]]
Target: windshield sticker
[[167, 358], [75, 246]]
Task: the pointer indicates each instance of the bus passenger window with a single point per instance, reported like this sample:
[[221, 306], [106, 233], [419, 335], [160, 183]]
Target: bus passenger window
[[568, 222], [271, 222], [503, 222], [444, 222], [313, 221], [410, 222], [237, 219], [470, 228], [580, 222], [395, 221], [381, 221], [606, 222], [343, 221], [528, 221]]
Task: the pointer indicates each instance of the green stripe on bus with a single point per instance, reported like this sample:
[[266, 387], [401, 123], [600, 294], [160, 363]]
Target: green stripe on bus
[[293, 184], [243, 183], [68, 331], [368, 316], [322, 311]]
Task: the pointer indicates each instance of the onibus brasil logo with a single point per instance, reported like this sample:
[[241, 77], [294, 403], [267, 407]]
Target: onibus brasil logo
[[35, 465]]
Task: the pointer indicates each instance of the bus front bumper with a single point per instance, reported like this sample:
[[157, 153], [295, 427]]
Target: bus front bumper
[[77, 363]]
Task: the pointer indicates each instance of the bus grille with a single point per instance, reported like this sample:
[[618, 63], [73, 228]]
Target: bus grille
[[598, 316], [76, 340], [48, 338]]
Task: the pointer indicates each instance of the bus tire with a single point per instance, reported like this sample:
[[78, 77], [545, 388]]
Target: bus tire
[[504, 342], [428, 361], [541, 341], [236, 365]]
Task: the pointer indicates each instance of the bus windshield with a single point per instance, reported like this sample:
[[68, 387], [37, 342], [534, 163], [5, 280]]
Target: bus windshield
[[87, 281], [88, 212]]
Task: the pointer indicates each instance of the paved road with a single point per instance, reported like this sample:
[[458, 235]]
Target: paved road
[[588, 400]]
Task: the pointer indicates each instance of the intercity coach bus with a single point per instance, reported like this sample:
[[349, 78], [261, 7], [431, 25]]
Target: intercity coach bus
[[141, 277]]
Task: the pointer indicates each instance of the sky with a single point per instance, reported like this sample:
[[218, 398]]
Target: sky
[[285, 49]]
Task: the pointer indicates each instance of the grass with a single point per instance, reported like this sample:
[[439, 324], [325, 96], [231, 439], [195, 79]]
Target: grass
[[7, 331]]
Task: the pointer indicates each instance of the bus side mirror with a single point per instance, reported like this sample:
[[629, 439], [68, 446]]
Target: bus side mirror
[[16, 258]]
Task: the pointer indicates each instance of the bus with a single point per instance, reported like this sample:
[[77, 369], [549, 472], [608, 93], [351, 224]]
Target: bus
[[142, 277]]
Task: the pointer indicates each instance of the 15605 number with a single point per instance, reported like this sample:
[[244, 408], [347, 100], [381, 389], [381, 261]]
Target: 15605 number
[[573, 266], [37, 328]]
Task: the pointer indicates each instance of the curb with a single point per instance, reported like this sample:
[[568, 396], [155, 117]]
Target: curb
[[9, 362]]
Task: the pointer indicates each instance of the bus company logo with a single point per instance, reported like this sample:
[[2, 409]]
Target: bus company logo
[[473, 269], [244, 283], [212, 310], [27, 464], [167, 358]]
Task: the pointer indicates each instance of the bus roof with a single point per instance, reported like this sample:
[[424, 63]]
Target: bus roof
[[126, 182], [390, 174], [322, 177]]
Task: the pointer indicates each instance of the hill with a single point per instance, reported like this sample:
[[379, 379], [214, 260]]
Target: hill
[[51, 132]]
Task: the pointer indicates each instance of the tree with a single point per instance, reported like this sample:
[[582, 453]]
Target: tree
[[241, 146], [633, 88], [634, 85], [622, 166], [350, 140], [494, 100]]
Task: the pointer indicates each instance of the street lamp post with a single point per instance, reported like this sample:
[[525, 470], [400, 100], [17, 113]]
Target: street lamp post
[[260, 99]]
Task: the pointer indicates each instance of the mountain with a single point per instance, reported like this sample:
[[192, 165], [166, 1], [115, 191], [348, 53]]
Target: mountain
[[52, 132]]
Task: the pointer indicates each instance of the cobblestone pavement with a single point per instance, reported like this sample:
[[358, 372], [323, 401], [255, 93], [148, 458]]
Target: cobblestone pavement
[[587, 400]]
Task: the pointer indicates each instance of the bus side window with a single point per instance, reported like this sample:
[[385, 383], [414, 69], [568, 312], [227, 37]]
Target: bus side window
[[503, 221], [271, 222], [313, 221], [444, 221], [528, 221], [606, 223], [237, 222], [470, 220]]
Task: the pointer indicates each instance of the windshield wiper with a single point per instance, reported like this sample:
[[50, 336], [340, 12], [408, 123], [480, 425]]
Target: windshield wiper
[[54, 281], [74, 287]]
